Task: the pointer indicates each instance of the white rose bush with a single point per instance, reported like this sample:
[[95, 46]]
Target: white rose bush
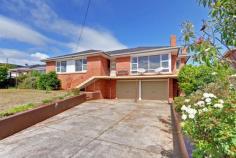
[[210, 123], [208, 102]]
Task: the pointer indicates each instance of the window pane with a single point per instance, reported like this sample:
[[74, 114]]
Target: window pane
[[165, 64], [58, 66], [63, 66], [134, 66], [143, 62], [84, 64], [78, 65], [154, 61], [84, 67], [134, 59], [164, 57]]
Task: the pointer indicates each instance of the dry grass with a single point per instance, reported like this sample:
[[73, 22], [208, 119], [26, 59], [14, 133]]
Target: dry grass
[[13, 97]]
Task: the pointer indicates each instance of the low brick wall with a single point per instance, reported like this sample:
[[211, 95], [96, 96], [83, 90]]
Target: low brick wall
[[93, 95], [20, 121]]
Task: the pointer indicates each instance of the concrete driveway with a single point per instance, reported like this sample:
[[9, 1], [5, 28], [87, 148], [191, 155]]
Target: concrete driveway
[[100, 129]]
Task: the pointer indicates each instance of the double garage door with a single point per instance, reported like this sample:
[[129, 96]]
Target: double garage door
[[144, 89]]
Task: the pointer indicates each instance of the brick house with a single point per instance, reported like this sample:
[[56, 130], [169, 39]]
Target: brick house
[[147, 73]]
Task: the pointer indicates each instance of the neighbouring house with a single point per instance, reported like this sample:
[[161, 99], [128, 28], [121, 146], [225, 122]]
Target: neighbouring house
[[148, 73], [231, 56], [26, 69]]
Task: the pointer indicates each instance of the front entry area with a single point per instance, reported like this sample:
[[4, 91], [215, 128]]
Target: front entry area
[[142, 89]]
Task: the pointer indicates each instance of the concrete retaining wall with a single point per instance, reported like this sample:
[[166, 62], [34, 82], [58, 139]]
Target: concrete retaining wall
[[20, 121]]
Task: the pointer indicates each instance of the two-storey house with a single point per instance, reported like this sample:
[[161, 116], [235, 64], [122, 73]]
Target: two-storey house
[[148, 73]]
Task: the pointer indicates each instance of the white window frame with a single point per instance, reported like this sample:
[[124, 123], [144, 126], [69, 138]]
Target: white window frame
[[83, 65], [161, 61], [60, 66]]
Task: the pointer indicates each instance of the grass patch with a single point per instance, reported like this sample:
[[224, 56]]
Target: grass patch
[[17, 109], [46, 101]]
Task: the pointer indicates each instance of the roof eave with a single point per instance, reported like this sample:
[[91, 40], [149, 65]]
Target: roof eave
[[150, 50]]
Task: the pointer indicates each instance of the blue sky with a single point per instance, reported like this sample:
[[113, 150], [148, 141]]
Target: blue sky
[[31, 30]]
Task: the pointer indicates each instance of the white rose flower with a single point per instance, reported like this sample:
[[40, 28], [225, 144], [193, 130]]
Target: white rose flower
[[213, 73], [205, 109], [205, 95], [184, 117], [187, 100], [183, 108], [218, 106], [200, 111], [201, 103], [221, 101], [211, 95], [191, 116], [208, 100]]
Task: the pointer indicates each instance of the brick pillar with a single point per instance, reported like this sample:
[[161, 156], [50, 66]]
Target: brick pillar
[[171, 97]]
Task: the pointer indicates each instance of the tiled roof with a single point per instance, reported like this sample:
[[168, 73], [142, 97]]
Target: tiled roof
[[112, 53], [74, 54], [131, 50]]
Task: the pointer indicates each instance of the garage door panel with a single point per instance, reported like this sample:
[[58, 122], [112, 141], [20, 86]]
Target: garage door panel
[[126, 89], [154, 90]]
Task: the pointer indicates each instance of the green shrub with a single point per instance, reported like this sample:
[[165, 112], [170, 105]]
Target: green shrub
[[3, 76], [28, 83], [192, 78], [48, 81], [17, 109]]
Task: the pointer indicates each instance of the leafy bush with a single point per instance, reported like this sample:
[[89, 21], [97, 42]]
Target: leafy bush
[[48, 81], [3, 76], [192, 78], [28, 81]]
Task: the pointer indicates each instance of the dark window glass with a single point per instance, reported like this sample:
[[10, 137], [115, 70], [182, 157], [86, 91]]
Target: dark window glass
[[143, 62], [164, 57], [154, 61], [63, 66], [78, 65]]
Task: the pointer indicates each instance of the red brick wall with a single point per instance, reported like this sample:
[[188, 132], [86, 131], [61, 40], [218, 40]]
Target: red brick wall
[[96, 66], [50, 66], [123, 63], [173, 63], [170, 100], [107, 88]]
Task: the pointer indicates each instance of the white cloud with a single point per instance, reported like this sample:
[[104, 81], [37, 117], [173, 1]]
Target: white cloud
[[42, 16], [20, 57], [39, 55], [10, 29]]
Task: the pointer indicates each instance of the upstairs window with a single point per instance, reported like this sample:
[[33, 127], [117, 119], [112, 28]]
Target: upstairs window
[[61, 66], [81, 65], [150, 63]]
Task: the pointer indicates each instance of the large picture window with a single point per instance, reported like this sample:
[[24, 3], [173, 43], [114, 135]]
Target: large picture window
[[61, 66], [150, 63], [81, 65]]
